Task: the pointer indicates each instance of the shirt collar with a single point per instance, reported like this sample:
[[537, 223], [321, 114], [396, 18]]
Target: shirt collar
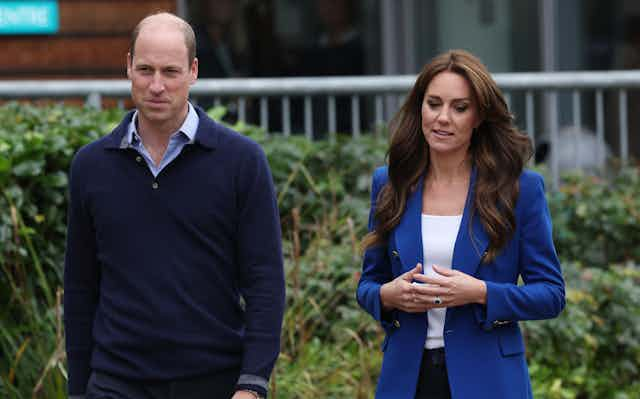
[[188, 128]]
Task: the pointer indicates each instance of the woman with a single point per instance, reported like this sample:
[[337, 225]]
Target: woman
[[455, 198]]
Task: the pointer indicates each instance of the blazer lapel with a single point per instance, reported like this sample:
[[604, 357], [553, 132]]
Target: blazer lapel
[[472, 240], [407, 234]]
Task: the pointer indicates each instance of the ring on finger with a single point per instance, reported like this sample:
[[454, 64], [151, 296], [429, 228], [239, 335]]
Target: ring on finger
[[437, 300]]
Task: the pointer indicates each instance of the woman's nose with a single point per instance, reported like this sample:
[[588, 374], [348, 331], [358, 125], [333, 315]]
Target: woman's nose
[[443, 115]]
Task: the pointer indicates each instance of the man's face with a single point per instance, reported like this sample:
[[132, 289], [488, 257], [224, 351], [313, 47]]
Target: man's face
[[160, 75]]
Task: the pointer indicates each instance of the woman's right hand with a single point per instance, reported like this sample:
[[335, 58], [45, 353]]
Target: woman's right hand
[[400, 293]]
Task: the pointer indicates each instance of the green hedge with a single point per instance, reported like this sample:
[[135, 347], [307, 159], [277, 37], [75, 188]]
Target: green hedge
[[597, 220], [593, 349], [330, 348]]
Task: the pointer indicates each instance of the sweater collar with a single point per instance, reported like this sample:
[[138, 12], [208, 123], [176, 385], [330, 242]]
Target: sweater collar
[[206, 134]]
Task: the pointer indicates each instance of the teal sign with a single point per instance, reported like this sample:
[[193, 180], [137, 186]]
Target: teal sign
[[29, 17]]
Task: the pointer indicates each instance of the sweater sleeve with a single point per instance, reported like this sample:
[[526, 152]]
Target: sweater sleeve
[[262, 285], [81, 279]]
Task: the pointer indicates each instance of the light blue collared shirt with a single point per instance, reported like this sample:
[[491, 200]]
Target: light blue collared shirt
[[186, 134]]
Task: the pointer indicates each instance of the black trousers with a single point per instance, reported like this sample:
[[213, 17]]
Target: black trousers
[[433, 381], [106, 386]]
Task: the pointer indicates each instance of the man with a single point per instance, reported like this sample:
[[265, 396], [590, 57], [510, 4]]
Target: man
[[174, 283]]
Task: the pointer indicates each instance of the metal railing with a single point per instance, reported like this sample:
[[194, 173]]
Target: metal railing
[[378, 97]]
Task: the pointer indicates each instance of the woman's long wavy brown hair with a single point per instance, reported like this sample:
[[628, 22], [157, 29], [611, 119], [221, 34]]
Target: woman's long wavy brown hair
[[498, 152]]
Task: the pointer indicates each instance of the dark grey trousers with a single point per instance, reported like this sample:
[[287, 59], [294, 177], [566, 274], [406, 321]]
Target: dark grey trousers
[[105, 386], [433, 380]]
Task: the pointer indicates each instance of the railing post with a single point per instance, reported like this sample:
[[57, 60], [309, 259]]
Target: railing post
[[577, 124], [286, 116], [242, 109], [600, 142], [308, 118], [331, 103], [264, 114], [94, 100], [624, 127], [355, 116], [530, 116], [379, 121], [554, 142]]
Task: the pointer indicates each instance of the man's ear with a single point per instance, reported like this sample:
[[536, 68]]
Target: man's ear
[[194, 70], [129, 60]]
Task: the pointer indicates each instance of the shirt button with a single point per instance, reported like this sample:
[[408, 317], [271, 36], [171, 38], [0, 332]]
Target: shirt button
[[155, 185], [138, 159]]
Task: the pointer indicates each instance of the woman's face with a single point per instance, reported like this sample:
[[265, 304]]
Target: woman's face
[[449, 114]]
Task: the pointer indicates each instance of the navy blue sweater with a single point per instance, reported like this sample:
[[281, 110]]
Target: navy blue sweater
[[157, 269]]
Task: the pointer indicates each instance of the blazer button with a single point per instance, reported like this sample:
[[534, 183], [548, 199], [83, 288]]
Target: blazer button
[[396, 324], [395, 254]]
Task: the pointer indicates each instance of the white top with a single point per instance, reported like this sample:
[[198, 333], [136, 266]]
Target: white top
[[439, 235]]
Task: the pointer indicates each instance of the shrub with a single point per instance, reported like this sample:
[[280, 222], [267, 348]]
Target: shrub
[[36, 146], [330, 348], [597, 220], [593, 349]]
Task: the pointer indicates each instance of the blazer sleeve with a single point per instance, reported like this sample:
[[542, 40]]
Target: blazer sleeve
[[543, 295], [376, 265]]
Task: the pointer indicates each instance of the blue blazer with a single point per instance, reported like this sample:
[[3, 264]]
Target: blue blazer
[[484, 349]]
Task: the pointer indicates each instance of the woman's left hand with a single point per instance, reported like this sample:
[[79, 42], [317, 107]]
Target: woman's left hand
[[452, 287]]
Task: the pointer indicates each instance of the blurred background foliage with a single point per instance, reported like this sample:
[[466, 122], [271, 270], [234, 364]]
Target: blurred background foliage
[[330, 348]]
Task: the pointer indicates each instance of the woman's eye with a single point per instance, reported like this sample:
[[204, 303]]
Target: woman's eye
[[461, 108]]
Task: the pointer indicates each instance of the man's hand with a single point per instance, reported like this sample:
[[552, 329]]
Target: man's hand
[[244, 395]]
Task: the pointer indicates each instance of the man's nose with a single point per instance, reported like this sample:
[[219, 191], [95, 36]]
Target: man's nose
[[157, 84]]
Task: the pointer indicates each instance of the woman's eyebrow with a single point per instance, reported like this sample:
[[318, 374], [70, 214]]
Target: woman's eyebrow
[[436, 97]]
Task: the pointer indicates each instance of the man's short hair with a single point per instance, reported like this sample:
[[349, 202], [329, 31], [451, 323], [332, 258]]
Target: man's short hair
[[185, 28]]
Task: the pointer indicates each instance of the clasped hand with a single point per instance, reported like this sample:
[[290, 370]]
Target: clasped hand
[[415, 292]]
